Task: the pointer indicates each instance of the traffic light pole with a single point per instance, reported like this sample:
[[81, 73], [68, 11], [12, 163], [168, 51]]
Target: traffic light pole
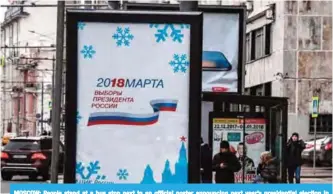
[[42, 109], [56, 101], [18, 113]]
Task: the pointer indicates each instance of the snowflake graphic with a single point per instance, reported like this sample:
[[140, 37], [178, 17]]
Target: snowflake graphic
[[123, 36], [122, 174], [93, 169], [78, 117], [88, 51], [81, 25], [172, 30], [179, 63]]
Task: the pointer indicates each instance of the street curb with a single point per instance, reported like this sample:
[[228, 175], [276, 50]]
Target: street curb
[[316, 176]]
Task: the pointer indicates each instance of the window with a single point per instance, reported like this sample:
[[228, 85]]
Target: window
[[324, 123], [11, 35], [258, 43], [23, 145], [268, 39], [87, 3], [248, 47]]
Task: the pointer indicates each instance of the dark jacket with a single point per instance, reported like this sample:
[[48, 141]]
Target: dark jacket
[[269, 171], [294, 152], [206, 161], [226, 174]]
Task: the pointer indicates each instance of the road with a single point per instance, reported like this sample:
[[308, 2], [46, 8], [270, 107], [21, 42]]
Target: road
[[17, 180]]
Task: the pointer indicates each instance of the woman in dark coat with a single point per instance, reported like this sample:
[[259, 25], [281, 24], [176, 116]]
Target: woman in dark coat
[[267, 169]]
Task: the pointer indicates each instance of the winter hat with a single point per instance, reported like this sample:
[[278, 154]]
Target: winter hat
[[295, 134], [224, 144]]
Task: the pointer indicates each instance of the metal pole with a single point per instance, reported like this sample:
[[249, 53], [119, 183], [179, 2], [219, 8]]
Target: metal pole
[[24, 108], [56, 101], [42, 109], [315, 145], [244, 146], [18, 114]]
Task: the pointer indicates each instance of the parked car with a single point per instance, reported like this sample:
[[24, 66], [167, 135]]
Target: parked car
[[323, 150], [29, 156]]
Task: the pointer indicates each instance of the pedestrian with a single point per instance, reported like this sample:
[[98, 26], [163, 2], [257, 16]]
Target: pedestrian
[[295, 146], [225, 164], [267, 169], [206, 162]]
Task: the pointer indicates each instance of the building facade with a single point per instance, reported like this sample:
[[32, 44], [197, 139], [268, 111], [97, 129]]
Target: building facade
[[28, 40], [289, 54], [28, 37]]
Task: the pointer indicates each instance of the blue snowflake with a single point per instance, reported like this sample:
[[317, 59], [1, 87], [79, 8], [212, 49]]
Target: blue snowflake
[[123, 36], [78, 117], [81, 25], [179, 63], [88, 51], [175, 31], [122, 174], [93, 169]]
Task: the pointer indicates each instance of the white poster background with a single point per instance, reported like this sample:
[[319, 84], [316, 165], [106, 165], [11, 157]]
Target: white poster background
[[254, 145], [221, 33], [124, 148]]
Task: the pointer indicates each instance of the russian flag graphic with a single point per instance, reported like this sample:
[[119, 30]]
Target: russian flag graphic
[[122, 118]]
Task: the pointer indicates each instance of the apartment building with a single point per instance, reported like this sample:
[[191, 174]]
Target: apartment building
[[289, 54], [28, 40]]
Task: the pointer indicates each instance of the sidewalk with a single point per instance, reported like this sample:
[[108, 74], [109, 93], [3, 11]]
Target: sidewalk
[[321, 172], [316, 180], [60, 179]]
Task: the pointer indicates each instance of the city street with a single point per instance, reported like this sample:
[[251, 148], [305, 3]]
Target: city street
[[17, 179]]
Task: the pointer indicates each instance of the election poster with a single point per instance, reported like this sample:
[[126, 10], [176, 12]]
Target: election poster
[[220, 56], [232, 130], [223, 32], [133, 102]]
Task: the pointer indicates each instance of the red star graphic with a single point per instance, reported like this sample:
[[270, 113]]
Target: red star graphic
[[182, 138]]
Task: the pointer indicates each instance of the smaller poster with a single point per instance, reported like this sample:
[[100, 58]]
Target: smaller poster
[[232, 130]]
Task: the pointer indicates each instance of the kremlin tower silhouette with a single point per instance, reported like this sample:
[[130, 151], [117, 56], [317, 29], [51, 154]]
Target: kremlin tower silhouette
[[180, 175]]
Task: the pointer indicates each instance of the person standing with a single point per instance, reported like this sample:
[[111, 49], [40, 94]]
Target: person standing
[[295, 147], [206, 162], [225, 164]]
